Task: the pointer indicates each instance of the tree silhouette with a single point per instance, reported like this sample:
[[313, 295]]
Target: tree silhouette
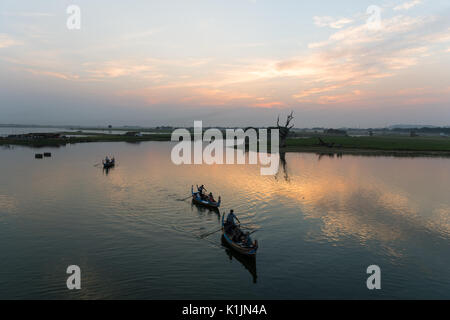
[[284, 130]]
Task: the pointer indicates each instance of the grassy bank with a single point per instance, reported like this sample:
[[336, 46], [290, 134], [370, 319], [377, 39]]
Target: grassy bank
[[83, 138], [376, 145], [371, 145]]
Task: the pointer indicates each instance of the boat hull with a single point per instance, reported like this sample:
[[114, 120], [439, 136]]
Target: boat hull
[[250, 252], [197, 200]]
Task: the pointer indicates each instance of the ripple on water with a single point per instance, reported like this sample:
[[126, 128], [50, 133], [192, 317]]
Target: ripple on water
[[320, 224]]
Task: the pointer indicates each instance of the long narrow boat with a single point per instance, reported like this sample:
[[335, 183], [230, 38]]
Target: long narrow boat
[[198, 200], [110, 164], [237, 246]]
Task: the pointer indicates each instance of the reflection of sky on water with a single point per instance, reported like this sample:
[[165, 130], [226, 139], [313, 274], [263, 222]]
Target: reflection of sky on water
[[133, 233]]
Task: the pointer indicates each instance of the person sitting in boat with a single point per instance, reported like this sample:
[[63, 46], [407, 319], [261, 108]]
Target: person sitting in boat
[[211, 198], [236, 235], [247, 241]]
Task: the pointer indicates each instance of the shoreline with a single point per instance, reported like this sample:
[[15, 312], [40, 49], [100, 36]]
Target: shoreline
[[353, 146], [324, 151], [83, 137]]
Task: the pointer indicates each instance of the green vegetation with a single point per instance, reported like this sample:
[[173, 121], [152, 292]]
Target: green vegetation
[[375, 145], [388, 144], [80, 137]]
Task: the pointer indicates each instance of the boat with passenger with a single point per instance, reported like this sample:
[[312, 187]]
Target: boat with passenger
[[109, 163], [203, 199], [237, 239]]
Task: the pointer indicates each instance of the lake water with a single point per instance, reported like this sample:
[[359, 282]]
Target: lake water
[[321, 222]]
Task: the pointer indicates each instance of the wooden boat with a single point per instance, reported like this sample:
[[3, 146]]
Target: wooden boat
[[110, 164], [198, 200], [237, 246]]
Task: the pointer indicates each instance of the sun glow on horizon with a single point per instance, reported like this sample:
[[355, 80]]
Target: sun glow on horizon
[[197, 59]]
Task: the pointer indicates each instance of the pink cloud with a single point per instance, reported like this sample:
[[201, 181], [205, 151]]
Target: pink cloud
[[8, 41]]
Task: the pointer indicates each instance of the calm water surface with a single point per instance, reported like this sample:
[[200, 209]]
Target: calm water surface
[[322, 221]]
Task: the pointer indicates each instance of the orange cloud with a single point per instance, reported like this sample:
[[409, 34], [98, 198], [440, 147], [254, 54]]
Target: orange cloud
[[268, 104], [58, 75], [8, 41]]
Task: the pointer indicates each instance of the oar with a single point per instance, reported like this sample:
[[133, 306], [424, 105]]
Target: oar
[[185, 198], [210, 233], [245, 227]]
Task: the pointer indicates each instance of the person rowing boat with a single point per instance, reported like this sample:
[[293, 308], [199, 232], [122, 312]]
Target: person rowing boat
[[108, 163], [231, 217], [201, 189], [236, 238], [204, 199]]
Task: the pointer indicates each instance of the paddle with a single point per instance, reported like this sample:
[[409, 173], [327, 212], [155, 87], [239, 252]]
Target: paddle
[[208, 234], [248, 228], [185, 198]]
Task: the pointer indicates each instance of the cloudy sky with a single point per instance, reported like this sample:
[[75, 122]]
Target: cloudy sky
[[233, 62]]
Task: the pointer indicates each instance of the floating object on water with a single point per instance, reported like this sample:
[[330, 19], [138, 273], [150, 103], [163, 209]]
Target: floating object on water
[[238, 246], [38, 156], [47, 154], [109, 164], [198, 200]]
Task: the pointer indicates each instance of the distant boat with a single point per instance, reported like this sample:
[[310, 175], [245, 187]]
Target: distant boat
[[198, 200], [238, 246], [109, 164]]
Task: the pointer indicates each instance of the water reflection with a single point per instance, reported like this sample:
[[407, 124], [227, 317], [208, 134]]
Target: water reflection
[[106, 170], [283, 167], [247, 262], [139, 230], [389, 200], [202, 210], [327, 154], [8, 204]]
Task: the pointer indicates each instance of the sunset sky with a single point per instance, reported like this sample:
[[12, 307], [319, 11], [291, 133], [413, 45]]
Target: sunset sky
[[233, 62]]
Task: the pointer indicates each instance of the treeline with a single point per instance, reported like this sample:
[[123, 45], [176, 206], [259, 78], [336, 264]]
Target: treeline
[[436, 130]]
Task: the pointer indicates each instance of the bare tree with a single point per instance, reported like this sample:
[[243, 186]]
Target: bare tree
[[284, 130]]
